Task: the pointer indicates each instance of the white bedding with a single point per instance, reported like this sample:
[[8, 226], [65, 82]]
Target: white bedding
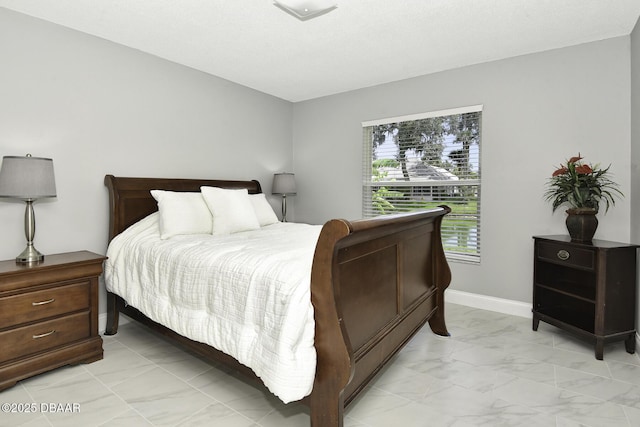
[[254, 305]]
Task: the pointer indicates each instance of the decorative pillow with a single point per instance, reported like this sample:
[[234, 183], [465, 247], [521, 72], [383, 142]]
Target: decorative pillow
[[232, 210], [182, 213], [263, 209]]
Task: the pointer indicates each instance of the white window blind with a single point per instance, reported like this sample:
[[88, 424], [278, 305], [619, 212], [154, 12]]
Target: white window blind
[[425, 160]]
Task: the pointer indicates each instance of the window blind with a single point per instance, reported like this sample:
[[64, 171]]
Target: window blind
[[426, 160]]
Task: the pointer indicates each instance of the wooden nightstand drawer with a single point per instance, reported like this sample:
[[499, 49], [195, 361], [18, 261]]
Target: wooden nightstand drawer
[[20, 342], [33, 306], [565, 254]]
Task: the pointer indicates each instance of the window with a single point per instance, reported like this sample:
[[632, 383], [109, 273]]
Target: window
[[425, 160]]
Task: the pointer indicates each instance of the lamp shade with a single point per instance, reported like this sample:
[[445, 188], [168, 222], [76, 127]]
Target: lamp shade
[[27, 178], [283, 183]]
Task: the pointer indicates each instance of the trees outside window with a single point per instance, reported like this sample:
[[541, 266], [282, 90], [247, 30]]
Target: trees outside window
[[422, 161]]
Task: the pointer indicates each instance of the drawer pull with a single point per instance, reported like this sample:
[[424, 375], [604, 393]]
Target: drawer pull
[[49, 301], [563, 255], [46, 334]]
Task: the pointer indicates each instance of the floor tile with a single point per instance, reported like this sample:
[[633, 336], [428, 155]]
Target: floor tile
[[217, 414], [493, 370], [179, 362], [89, 400], [162, 398], [119, 364], [127, 419]]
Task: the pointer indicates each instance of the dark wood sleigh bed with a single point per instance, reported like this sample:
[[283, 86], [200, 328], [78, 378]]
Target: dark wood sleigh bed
[[374, 284]]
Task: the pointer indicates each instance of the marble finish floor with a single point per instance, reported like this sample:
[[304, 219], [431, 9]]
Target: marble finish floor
[[492, 371]]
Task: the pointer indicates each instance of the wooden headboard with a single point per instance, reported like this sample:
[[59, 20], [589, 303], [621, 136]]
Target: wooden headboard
[[130, 199]]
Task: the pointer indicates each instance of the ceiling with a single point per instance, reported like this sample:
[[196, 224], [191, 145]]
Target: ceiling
[[361, 43]]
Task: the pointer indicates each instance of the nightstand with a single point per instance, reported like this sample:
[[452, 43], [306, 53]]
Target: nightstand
[[588, 289], [48, 314]]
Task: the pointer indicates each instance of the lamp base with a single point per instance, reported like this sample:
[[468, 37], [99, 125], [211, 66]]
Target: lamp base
[[30, 255], [284, 208]]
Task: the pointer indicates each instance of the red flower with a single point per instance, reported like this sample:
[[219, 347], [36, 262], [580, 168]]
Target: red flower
[[575, 159], [579, 168], [584, 169], [560, 171]]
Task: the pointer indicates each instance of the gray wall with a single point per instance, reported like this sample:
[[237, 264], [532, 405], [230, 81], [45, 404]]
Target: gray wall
[[539, 110], [635, 141], [96, 107]]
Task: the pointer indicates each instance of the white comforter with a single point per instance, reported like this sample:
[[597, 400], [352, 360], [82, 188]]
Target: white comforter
[[246, 294]]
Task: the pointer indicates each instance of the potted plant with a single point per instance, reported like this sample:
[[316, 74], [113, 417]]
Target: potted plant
[[581, 187]]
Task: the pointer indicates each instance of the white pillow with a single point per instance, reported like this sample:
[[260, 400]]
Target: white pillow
[[182, 213], [263, 209], [232, 210]]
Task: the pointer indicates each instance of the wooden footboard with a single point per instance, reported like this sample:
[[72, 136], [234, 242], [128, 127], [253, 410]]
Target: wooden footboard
[[374, 283]]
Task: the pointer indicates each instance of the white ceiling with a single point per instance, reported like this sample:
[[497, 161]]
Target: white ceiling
[[361, 43]]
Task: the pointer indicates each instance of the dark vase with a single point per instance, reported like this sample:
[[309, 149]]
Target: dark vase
[[582, 224]]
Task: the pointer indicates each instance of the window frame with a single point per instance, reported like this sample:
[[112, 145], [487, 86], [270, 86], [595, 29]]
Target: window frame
[[452, 220]]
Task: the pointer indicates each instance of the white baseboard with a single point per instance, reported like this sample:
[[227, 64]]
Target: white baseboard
[[500, 305], [102, 323]]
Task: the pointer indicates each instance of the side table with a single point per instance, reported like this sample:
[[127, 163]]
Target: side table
[[48, 314], [588, 289]]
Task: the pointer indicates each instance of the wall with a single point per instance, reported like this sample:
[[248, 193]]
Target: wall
[[96, 108], [635, 142], [539, 110]]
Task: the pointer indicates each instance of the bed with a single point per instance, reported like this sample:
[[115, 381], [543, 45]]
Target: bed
[[373, 284]]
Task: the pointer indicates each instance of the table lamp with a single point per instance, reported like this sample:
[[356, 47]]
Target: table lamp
[[285, 184], [27, 178]]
